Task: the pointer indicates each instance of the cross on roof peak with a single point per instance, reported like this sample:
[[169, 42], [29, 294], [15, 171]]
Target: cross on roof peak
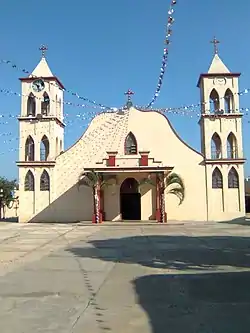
[[43, 48], [215, 41], [129, 94]]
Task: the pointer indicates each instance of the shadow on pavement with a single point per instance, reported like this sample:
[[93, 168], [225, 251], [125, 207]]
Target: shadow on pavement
[[194, 298], [240, 221], [202, 303]]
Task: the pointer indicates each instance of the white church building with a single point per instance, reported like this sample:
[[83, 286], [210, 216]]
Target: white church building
[[126, 146]]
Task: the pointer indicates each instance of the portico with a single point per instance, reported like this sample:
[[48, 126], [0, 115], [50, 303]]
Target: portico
[[130, 193]]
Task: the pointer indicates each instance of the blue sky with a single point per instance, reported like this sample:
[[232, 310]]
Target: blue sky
[[102, 48]]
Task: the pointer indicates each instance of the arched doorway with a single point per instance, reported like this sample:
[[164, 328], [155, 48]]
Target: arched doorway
[[130, 200]]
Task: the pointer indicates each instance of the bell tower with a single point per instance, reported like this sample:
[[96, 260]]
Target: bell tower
[[41, 137], [221, 140]]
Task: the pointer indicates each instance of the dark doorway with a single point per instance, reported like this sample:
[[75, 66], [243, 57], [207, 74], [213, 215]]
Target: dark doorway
[[130, 200], [247, 204]]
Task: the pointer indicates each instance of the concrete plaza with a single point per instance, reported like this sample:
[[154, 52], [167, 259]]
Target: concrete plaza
[[125, 278]]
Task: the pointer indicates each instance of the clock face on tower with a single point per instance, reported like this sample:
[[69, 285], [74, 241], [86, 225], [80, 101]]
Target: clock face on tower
[[38, 85]]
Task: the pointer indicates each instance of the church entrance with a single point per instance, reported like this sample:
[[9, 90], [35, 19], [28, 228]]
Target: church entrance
[[130, 200]]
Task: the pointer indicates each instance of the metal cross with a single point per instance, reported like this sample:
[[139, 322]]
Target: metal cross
[[43, 48], [129, 93], [215, 42]]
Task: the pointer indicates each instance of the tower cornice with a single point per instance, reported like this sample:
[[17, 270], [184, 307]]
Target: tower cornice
[[225, 161], [211, 75], [220, 116], [41, 119], [32, 164]]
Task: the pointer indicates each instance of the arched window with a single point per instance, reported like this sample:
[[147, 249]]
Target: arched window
[[29, 149], [229, 101], [29, 182], [217, 180], [45, 105], [215, 146], [44, 148], [130, 144], [232, 151], [31, 105], [44, 181], [214, 101], [233, 178]]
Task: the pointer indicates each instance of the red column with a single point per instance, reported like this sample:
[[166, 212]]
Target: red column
[[99, 203], [162, 200], [161, 215], [102, 206], [97, 216], [163, 209], [94, 220], [158, 201]]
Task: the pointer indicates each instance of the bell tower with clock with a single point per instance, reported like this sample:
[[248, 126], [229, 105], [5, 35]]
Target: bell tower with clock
[[41, 134], [221, 138]]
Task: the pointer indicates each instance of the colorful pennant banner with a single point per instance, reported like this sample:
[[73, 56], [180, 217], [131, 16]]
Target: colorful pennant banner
[[170, 22], [75, 94]]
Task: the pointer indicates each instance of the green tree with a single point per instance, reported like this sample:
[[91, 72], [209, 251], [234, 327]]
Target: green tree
[[91, 179], [172, 183], [8, 187]]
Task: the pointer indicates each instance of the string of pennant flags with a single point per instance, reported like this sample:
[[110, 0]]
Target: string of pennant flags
[[93, 141], [182, 110], [73, 93], [196, 105], [77, 105], [95, 105], [9, 137], [175, 110], [114, 109], [167, 41], [90, 138], [100, 128], [72, 123], [90, 115]]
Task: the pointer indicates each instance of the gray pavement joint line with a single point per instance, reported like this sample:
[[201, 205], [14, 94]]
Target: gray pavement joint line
[[8, 238], [93, 297], [92, 294], [40, 246]]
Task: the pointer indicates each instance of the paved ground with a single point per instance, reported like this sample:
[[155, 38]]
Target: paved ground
[[125, 278]]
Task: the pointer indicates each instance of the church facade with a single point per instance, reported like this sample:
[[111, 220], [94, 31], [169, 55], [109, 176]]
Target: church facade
[[123, 152]]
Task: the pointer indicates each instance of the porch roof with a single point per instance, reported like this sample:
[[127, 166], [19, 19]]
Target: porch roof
[[135, 169]]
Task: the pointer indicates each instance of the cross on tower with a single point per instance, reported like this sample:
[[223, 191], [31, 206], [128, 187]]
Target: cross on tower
[[43, 48], [215, 42]]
